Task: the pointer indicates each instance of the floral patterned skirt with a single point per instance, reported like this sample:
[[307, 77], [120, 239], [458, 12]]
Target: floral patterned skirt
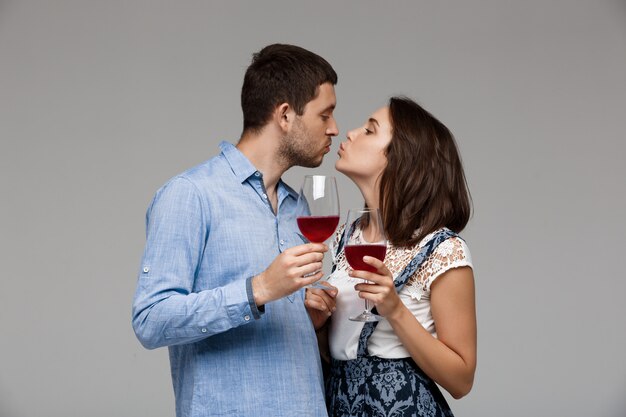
[[372, 387]]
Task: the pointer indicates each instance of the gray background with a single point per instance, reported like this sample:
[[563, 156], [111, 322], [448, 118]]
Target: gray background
[[102, 101]]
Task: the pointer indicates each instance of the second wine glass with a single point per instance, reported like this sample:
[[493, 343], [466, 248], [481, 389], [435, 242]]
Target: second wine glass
[[364, 236], [317, 209]]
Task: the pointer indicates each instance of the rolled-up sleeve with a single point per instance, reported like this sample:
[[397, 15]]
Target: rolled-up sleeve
[[166, 311]]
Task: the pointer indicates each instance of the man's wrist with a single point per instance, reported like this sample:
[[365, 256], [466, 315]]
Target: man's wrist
[[256, 309], [258, 291]]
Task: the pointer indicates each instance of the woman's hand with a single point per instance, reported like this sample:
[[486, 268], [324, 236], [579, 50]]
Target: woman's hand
[[320, 303], [380, 290]]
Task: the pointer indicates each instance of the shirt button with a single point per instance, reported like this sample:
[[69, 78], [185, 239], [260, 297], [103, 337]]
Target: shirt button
[[282, 242], [265, 196], [146, 269], [246, 317], [203, 330], [257, 174]]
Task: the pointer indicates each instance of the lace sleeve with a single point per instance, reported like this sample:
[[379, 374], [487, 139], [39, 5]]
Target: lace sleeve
[[453, 253], [333, 245]]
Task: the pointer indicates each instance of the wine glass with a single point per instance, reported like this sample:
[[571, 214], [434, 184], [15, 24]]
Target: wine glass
[[317, 209], [364, 236]]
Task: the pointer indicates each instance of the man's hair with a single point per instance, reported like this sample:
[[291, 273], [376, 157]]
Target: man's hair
[[423, 186], [281, 74]]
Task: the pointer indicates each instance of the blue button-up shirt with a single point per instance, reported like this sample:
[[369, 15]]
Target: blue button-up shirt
[[209, 230]]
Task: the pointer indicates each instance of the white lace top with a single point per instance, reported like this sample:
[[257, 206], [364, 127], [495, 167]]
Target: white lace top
[[344, 333]]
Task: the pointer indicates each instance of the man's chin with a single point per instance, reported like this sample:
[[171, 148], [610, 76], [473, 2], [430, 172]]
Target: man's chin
[[313, 163]]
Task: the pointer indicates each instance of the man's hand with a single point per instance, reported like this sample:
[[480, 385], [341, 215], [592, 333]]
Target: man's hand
[[320, 303], [287, 272]]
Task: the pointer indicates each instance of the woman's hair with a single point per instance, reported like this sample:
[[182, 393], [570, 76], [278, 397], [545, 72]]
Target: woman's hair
[[423, 187], [281, 74]]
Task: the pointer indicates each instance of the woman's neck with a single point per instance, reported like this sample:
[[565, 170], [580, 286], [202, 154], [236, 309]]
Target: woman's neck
[[370, 190]]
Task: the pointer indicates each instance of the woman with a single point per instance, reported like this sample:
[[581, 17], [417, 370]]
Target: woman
[[406, 163]]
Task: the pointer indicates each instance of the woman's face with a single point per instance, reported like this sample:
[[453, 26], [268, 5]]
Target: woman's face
[[362, 155]]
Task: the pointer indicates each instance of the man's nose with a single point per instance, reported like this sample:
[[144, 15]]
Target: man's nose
[[332, 130]]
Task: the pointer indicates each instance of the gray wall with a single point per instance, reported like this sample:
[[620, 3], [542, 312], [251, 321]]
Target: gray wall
[[103, 101]]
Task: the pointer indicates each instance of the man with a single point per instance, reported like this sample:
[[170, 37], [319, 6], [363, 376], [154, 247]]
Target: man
[[223, 268]]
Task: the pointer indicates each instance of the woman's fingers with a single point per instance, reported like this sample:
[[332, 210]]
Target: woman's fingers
[[321, 299]]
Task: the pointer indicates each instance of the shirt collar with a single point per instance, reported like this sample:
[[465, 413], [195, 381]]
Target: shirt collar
[[243, 168], [290, 191]]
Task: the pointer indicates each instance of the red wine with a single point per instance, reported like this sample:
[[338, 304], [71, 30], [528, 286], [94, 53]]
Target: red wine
[[355, 254], [317, 228]]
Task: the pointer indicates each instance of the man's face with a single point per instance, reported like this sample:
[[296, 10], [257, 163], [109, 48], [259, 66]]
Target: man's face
[[310, 136]]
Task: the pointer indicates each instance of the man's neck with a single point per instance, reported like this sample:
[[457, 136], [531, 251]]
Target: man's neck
[[262, 151]]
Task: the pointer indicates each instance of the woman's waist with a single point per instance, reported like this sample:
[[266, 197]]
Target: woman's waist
[[367, 366]]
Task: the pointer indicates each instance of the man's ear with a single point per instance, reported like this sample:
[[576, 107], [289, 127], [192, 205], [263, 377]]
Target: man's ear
[[284, 116]]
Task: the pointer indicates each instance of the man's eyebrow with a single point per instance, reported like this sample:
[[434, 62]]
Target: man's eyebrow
[[331, 107], [372, 120]]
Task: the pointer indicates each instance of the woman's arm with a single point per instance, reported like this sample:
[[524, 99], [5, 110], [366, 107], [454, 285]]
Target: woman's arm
[[449, 359]]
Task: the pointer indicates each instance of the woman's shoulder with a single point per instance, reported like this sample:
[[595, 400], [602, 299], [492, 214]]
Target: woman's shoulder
[[452, 249], [449, 254]]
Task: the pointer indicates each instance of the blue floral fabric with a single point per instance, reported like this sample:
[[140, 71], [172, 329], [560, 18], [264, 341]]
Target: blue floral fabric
[[376, 387]]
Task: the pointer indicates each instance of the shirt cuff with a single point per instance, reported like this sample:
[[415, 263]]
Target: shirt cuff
[[256, 311]]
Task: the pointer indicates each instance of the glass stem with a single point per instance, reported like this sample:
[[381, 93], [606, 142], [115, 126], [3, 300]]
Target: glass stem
[[368, 307]]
